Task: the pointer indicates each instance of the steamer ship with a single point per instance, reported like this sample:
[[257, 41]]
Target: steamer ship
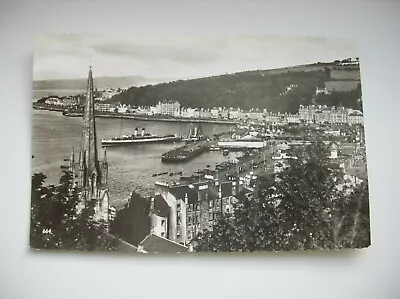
[[144, 137]]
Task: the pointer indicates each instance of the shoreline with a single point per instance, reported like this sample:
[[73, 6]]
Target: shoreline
[[137, 117]]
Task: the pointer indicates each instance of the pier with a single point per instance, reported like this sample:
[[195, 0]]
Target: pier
[[185, 152]]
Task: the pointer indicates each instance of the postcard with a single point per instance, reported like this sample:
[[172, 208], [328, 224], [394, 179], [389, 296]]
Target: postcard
[[192, 143]]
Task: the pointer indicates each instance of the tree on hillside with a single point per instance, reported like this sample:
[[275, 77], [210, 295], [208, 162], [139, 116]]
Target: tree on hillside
[[302, 208], [58, 223], [348, 99], [242, 90]]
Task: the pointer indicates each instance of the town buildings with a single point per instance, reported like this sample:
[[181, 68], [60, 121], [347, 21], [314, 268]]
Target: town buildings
[[331, 115], [180, 212]]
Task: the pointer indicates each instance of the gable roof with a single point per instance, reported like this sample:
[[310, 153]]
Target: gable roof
[[121, 245], [161, 207], [157, 244]]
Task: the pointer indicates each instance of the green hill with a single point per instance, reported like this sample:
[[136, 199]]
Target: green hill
[[251, 89]]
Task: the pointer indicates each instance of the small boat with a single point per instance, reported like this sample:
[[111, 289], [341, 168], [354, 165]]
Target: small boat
[[225, 152], [154, 174], [208, 165], [171, 174], [64, 167]]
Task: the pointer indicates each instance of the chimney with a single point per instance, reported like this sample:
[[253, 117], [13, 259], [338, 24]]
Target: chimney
[[142, 132], [136, 131]]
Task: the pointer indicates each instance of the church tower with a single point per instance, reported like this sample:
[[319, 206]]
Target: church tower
[[89, 174]]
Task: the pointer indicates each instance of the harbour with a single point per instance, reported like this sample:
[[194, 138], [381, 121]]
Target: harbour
[[131, 166]]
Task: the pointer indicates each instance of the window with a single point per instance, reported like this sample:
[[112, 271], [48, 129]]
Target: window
[[178, 206], [189, 219], [162, 234], [197, 207], [162, 222]]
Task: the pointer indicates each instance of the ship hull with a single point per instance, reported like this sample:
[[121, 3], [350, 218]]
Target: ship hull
[[139, 141]]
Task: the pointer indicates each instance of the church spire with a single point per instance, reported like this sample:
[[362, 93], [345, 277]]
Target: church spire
[[88, 158]]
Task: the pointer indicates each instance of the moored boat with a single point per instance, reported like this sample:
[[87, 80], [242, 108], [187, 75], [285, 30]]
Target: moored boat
[[140, 139]]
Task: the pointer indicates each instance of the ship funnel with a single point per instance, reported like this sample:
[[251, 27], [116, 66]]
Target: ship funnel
[[142, 132], [136, 131]]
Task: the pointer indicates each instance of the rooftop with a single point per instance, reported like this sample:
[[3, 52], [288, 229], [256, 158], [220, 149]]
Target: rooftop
[[156, 244]]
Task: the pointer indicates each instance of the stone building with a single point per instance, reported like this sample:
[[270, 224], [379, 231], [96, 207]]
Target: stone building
[[89, 174], [169, 108], [180, 212]]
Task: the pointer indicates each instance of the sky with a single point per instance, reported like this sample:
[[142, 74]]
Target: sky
[[156, 59]]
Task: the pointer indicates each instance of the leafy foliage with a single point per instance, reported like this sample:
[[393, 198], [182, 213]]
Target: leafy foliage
[[348, 99], [301, 208], [58, 223]]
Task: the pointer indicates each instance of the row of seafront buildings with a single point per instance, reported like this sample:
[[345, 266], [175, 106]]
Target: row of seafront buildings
[[306, 114]]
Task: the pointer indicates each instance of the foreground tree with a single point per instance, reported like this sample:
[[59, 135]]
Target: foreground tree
[[306, 206], [58, 223]]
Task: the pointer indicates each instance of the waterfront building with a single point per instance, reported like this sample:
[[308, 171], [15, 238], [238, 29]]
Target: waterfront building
[[190, 112], [324, 114], [214, 112], [104, 107], [236, 114], [89, 174], [205, 113], [143, 110], [123, 108], [355, 117], [55, 101], [169, 108], [293, 118], [255, 115], [70, 101], [338, 115], [274, 117]]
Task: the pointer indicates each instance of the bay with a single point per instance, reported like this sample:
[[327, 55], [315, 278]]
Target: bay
[[130, 167]]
